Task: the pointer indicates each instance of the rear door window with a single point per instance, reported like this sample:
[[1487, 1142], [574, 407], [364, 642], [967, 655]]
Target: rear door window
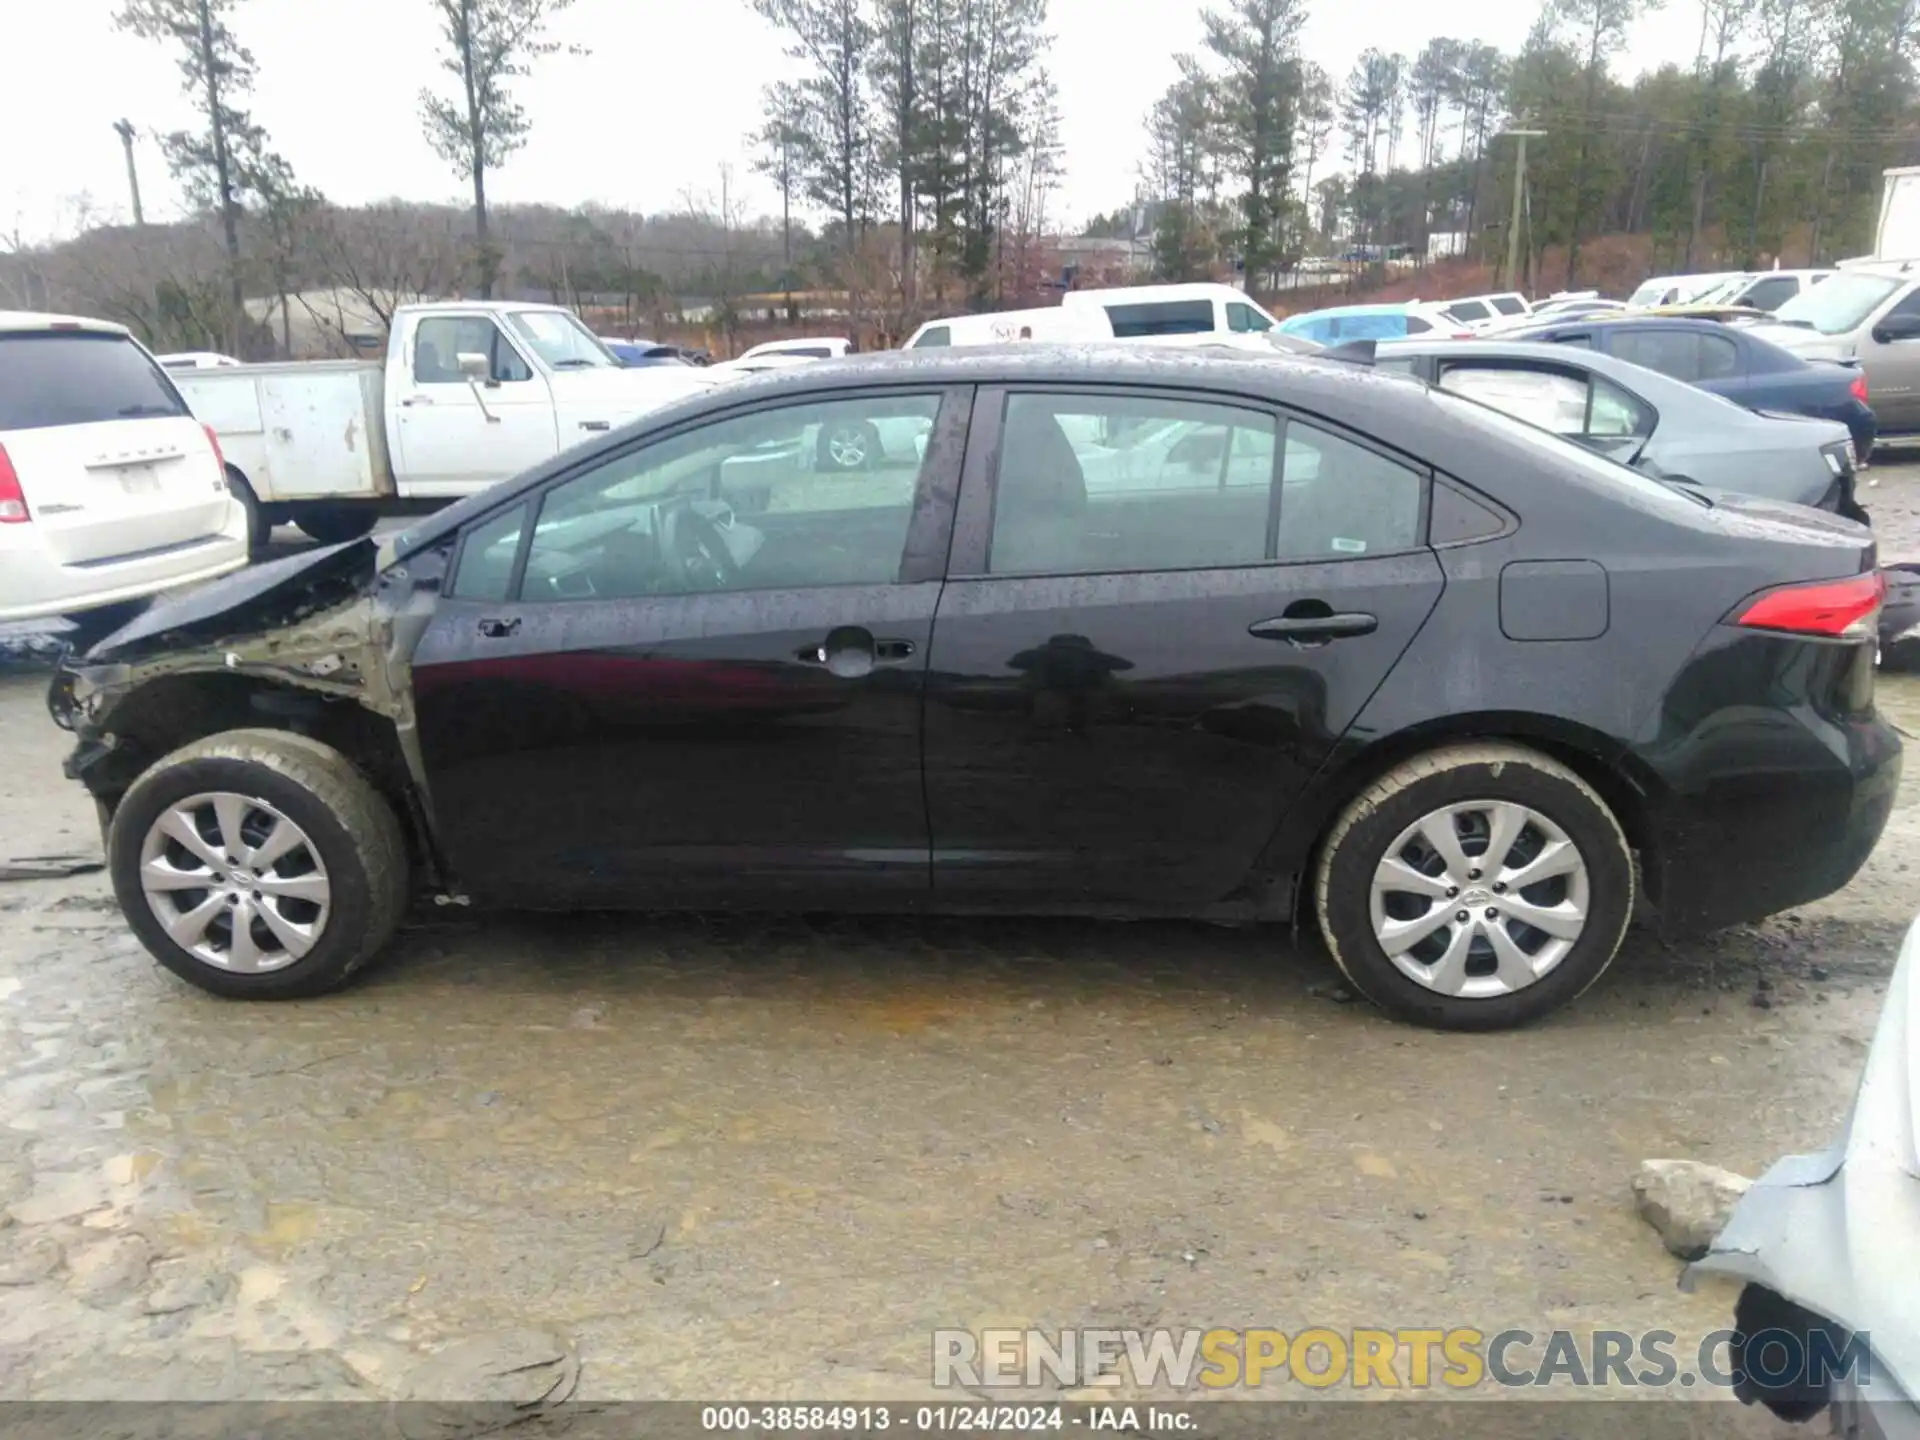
[[1162, 317], [80, 378], [1509, 304], [1671, 352], [1579, 407], [1340, 499], [1101, 484], [1467, 311]]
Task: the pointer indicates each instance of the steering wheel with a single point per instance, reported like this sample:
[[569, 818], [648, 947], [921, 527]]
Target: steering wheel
[[695, 551]]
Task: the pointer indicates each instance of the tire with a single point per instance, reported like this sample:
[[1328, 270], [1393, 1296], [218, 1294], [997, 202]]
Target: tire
[[332, 524], [259, 527], [1543, 971], [344, 825], [834, 453]]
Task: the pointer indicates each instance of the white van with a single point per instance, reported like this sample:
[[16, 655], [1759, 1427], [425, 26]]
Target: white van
[[1194, 314], [110, 490], [1054, 324]]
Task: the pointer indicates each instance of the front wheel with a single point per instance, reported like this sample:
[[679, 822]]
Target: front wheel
[[258, 864], [1475, 888]]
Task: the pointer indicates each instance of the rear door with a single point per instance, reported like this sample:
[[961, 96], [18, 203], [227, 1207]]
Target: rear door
[[1162, 610], [453, 436], [110, 460]]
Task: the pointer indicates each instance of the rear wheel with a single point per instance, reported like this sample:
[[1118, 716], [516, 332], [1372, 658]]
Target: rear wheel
[[258, 864], [333, 524], [1475, 888]]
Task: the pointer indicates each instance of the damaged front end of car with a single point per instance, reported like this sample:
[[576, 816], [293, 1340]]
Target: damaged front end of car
[[1829, 1248], [317, 643]]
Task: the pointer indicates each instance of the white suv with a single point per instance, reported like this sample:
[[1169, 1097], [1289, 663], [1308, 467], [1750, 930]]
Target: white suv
[[109, 489]]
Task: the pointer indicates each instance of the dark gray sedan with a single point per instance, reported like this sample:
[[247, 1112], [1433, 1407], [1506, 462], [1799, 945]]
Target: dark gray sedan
[[1657, 424]]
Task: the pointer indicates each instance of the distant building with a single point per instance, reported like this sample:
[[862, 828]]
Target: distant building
[[1082, 261]]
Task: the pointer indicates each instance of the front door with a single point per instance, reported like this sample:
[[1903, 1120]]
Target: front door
[[1165, 609], [698, 680], [453, 436]]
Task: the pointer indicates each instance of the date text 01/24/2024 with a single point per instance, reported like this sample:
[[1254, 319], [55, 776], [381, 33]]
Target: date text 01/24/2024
[[1005, 1419]]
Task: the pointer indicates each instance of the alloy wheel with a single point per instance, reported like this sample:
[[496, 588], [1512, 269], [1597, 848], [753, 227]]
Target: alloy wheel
[[1480, 899], [234, 882], [847, 446]]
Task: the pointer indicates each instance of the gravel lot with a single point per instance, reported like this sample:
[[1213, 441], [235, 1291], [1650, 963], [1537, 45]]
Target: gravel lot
[[767, 1158]]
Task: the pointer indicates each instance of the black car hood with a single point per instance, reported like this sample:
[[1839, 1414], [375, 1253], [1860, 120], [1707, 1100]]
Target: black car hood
[[258, 598]]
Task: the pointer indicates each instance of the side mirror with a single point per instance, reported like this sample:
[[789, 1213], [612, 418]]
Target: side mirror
[[1897, 327], [474, 366]]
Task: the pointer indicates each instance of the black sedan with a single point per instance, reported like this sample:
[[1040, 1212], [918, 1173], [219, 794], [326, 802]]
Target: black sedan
[[1744, 367], [1108, 633]]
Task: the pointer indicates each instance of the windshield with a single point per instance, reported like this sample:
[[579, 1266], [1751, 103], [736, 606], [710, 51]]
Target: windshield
[[1564, 452], [1838, 305], [1725, 290], [1651, 291], [561, 341]]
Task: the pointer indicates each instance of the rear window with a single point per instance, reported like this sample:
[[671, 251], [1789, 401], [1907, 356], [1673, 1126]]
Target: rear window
[[1164, 317], [1467, 311], [64, 378], [1509, 304]]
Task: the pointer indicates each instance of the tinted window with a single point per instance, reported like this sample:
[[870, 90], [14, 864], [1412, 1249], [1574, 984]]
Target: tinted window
[[936, 335], [1510, 305], [1671, 352], [1165, 317], [788, 498], [1719, 357], [76, 379], [1771, 293], [1468, 310], [1908, 306], [1338, 498], [1417, 326], [485, 571], [1101, 484], [1244, 318], [1580, 342], [440, 342]]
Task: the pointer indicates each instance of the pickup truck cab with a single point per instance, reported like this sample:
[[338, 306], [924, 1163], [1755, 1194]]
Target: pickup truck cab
[[471, 393]]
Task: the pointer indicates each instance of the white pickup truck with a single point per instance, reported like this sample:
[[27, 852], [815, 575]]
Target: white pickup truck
[[470, 393]]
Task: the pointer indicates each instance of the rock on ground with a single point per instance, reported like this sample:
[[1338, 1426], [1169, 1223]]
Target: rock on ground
[[1687, 1202]]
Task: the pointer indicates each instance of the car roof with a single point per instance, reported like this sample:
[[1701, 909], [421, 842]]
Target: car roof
[[1653, 320], [1145, 294], [17, 322], [1397, 307], [1637, 377]]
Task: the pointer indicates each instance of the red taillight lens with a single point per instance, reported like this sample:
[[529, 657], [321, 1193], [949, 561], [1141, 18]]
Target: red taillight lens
[[13, 500], [218, 453], [1836, 609], [1859, 388]]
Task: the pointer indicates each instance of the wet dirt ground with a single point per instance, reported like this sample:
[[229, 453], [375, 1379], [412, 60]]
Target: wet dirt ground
[[767, 1158]]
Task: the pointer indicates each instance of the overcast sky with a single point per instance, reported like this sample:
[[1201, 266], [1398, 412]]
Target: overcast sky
[[658, 107]]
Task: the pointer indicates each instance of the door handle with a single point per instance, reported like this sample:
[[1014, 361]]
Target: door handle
[[416, 399], [1314, 629], [596, 424], [499, 629], [850, 651]]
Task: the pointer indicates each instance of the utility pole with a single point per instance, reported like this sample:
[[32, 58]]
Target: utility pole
[[124, 129], [1519, 191]]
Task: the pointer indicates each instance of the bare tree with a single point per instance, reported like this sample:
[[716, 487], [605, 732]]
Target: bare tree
[[486, 44], [216, 71]]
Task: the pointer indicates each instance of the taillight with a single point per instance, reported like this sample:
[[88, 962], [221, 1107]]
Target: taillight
[[1834, 609], [13, 500], [1859, 388], [219, 455]]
